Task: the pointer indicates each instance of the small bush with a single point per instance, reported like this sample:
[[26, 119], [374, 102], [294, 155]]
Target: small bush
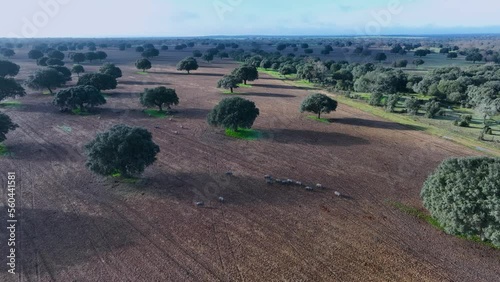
[[463, 121]]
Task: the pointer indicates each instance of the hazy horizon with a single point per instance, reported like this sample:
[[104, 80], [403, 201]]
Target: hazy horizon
[[197, 18]]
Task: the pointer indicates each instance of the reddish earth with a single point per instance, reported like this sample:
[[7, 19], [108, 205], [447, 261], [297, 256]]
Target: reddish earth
[[76, 226]]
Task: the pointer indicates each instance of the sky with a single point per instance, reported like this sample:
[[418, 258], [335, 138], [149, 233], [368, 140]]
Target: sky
[[165, 18]]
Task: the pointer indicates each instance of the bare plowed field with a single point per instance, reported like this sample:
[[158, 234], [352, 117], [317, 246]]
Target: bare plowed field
[[76, 226]]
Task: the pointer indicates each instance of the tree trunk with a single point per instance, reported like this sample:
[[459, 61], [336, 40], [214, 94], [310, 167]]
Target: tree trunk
[[231, 89], [245, 82], [188, 71], [161, 108], [50, 90], [319, 115]]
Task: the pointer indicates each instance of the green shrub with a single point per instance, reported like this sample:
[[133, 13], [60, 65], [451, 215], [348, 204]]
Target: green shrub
[[433, 109], [463, 121], [376, 99], [391, 102]]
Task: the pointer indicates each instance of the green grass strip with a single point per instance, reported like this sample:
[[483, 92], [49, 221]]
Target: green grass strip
[[228, 92], [241, 85], [3, 150], [80, 112], [323, 120], [156, 113], [401, 119], [416, 125], [10, 104], [246, 134], [130, 180]]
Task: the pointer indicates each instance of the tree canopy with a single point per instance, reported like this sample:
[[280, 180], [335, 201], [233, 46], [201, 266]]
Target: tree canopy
[[197, 54], [9, 88], [233, 113], [100, 81], [380, 57], [246, 73], [55, 54], [101, 55], [159, 97], [208, 57], [91, 56], [422, 52], [418, 62], [122, 149], [412, 105], [469, 208], [63, 70], [78, 57], [111, 69], [143, 64], [6, 125], [35, 54], [452, 55], [8, 68], [229, 82], [82, 97], [188, 64], [78, 69], [318, 104], [150, 53], [47, 78], [54, 62], [474, 57], [7, 52]]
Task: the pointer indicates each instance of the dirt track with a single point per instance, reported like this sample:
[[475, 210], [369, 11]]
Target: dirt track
[[80, 227]]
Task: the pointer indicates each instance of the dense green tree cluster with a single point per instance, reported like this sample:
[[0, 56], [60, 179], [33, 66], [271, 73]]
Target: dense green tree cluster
[[48, 78], [111, 70], [100, 81], [79, 97], [468, 208], [469, 87]]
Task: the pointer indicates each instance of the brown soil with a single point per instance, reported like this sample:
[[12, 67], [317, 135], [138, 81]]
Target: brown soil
[[76, 226]]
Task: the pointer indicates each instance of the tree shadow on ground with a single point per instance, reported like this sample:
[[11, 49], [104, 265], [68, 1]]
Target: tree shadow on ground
[[309, 137], [120, 114], [192, 113], [36, 152], [139, 82], [235, 189], [376, 124], [53, 240]]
